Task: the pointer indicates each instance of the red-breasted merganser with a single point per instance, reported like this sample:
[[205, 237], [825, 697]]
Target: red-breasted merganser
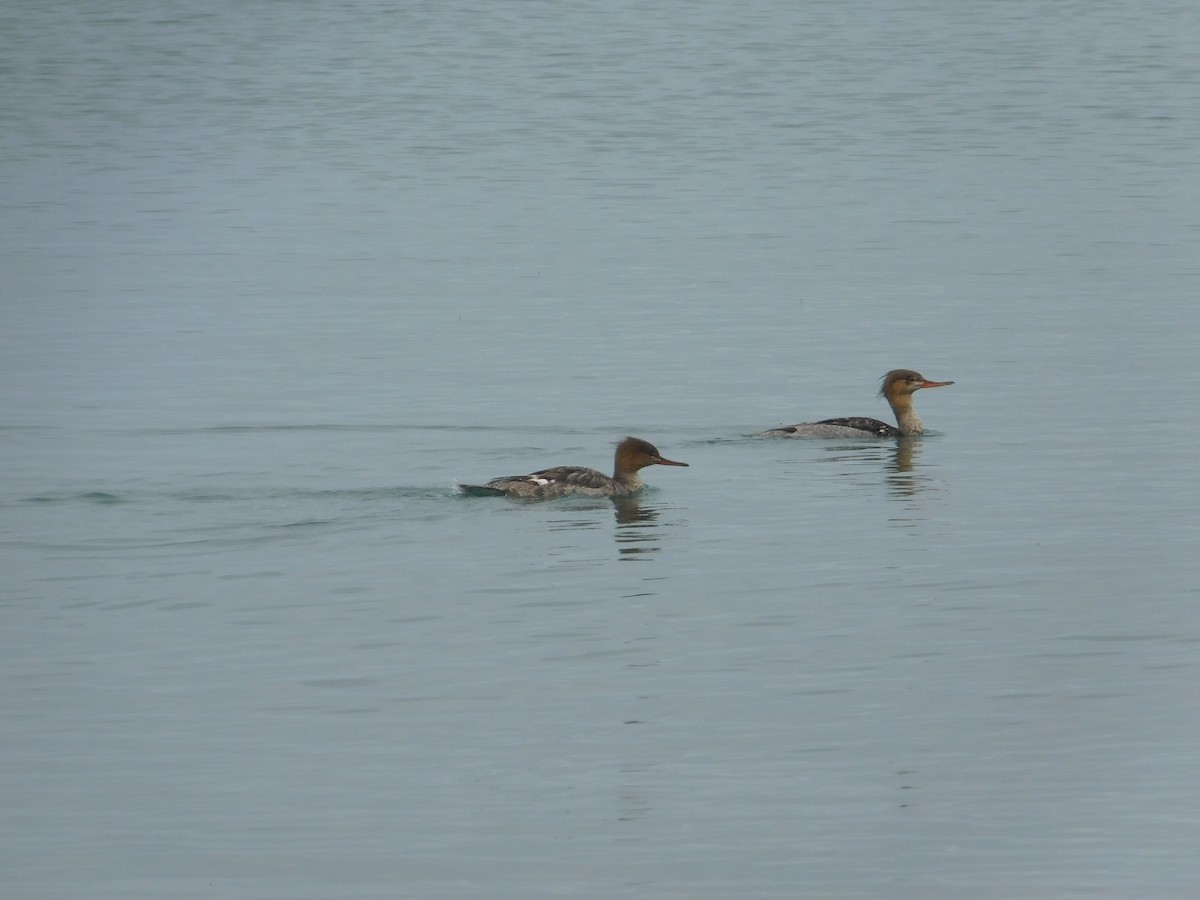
[[632, 455], [899, 385]]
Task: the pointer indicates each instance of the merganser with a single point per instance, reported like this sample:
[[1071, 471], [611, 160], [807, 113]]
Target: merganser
[[898, 387], [632, 454]]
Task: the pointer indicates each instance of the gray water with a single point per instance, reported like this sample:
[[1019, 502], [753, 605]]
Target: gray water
[[278, 275]]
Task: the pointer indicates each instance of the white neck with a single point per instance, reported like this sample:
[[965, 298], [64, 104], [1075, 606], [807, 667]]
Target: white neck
[[906, 417]]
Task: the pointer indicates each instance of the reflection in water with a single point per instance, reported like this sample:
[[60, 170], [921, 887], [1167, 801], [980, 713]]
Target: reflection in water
[[902, 478], [899, 459], [902, 459], [637, 529]]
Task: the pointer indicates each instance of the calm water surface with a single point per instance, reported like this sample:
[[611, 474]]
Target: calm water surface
[[278, 276]]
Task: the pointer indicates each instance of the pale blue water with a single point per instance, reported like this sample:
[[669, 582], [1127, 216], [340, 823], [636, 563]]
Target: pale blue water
[[278, 275]]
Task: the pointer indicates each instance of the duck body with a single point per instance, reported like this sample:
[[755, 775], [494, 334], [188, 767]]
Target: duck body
[[898, 387], [632, 455], [848, 427]]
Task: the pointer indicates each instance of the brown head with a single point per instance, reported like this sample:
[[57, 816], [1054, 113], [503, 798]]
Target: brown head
[[634, 453], [905, 382]]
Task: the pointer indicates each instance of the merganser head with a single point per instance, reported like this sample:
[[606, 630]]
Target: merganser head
[[905, 382], [634, 453]]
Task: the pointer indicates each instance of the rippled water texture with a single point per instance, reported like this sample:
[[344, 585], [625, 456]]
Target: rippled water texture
[[278, 276]]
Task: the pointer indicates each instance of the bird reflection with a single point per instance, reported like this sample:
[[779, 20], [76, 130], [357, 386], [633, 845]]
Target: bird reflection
[[899, 459], [902, 479], [902, 458], [906, 476], [637, 529]]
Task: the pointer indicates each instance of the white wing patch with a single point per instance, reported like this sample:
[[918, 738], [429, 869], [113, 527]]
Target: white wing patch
[[539, 480]]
